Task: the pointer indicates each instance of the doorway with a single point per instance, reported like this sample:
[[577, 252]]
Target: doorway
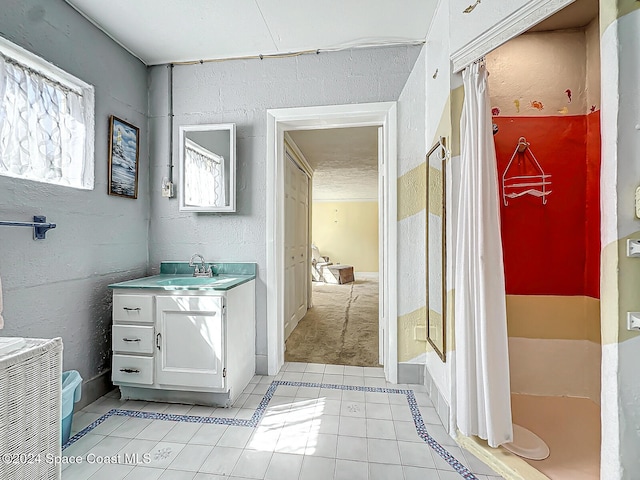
[[341, 325], [382, 115]]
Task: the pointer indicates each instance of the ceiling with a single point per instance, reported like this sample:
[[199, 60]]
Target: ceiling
[[166, 31], [576, 15], [173, 31], [345, 162]]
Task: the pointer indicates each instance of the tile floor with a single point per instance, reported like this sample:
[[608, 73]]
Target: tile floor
[[309, 422]]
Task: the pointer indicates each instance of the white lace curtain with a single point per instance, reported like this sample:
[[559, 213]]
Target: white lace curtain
[[42, 128], [204, 177]]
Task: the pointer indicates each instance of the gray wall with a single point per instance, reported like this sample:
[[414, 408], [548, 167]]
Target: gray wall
[[58, 287], [240, 91]]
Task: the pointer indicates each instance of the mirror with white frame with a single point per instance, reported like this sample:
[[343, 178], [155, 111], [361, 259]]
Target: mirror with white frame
[[208, 168]]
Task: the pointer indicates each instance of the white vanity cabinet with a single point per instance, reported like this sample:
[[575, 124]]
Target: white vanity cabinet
[[188, 346]]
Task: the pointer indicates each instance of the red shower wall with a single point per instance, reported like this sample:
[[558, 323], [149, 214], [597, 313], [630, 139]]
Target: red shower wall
[[553, 249]]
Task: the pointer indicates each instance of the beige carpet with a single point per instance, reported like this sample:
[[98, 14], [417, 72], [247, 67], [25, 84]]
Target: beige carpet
[[341, 328]]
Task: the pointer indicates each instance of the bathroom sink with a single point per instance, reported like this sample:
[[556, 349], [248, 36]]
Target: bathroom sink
[[188, 281], [196, 281]]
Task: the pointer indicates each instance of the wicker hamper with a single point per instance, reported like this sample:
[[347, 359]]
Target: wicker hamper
[[30, 409]]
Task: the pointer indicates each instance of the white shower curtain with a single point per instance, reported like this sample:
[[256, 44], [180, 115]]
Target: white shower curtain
[[483, 402]]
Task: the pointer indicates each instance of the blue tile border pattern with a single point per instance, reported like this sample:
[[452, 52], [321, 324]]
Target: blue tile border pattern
[[262, 407]]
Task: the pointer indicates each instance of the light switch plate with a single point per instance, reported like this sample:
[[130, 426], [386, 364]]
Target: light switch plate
[[167, 188], [420, 333], [633, 321], [633, 248]]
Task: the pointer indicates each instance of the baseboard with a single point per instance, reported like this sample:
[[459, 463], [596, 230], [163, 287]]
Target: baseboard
[[94, 388], [221, 400], [440, 404], [367, 274], [412, 373], [262, 365]]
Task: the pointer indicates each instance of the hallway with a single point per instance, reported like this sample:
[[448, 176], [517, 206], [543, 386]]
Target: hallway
[[342, 326]]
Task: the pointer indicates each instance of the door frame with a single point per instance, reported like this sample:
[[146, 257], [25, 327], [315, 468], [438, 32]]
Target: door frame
[[279, 121]]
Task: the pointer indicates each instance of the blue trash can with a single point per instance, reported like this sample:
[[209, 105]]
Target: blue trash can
[[71, 393]]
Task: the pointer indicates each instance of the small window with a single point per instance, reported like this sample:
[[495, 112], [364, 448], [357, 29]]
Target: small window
[[46, 121]]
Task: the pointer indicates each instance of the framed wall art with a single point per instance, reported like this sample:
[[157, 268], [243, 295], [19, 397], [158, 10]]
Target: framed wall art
[[124, 152]]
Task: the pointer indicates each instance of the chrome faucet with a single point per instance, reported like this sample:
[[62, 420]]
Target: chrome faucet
[[204, 270]]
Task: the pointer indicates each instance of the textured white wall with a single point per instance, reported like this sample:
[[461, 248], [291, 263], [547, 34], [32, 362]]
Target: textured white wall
[[240, 91], [540, 67], [411, 118], [620, 174], [438, 122], [58, 286], [411, 153], [592, 33]]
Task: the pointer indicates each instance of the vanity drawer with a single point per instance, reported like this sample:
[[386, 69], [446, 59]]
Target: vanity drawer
[[132, 369], [132, 339], [133, 308]]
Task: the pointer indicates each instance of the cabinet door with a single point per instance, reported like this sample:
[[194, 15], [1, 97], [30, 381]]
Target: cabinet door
[[189, 342]]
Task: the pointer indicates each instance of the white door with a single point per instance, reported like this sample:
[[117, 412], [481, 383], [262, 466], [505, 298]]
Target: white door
[[303, 271], [189, 341], [296, 243]]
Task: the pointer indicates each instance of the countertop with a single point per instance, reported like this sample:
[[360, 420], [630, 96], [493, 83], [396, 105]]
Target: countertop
[[186, 282], [178, 276]]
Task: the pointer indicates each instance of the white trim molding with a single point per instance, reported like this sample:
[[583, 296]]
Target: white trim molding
[[302, 160], [282, 120], [509, 27]]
